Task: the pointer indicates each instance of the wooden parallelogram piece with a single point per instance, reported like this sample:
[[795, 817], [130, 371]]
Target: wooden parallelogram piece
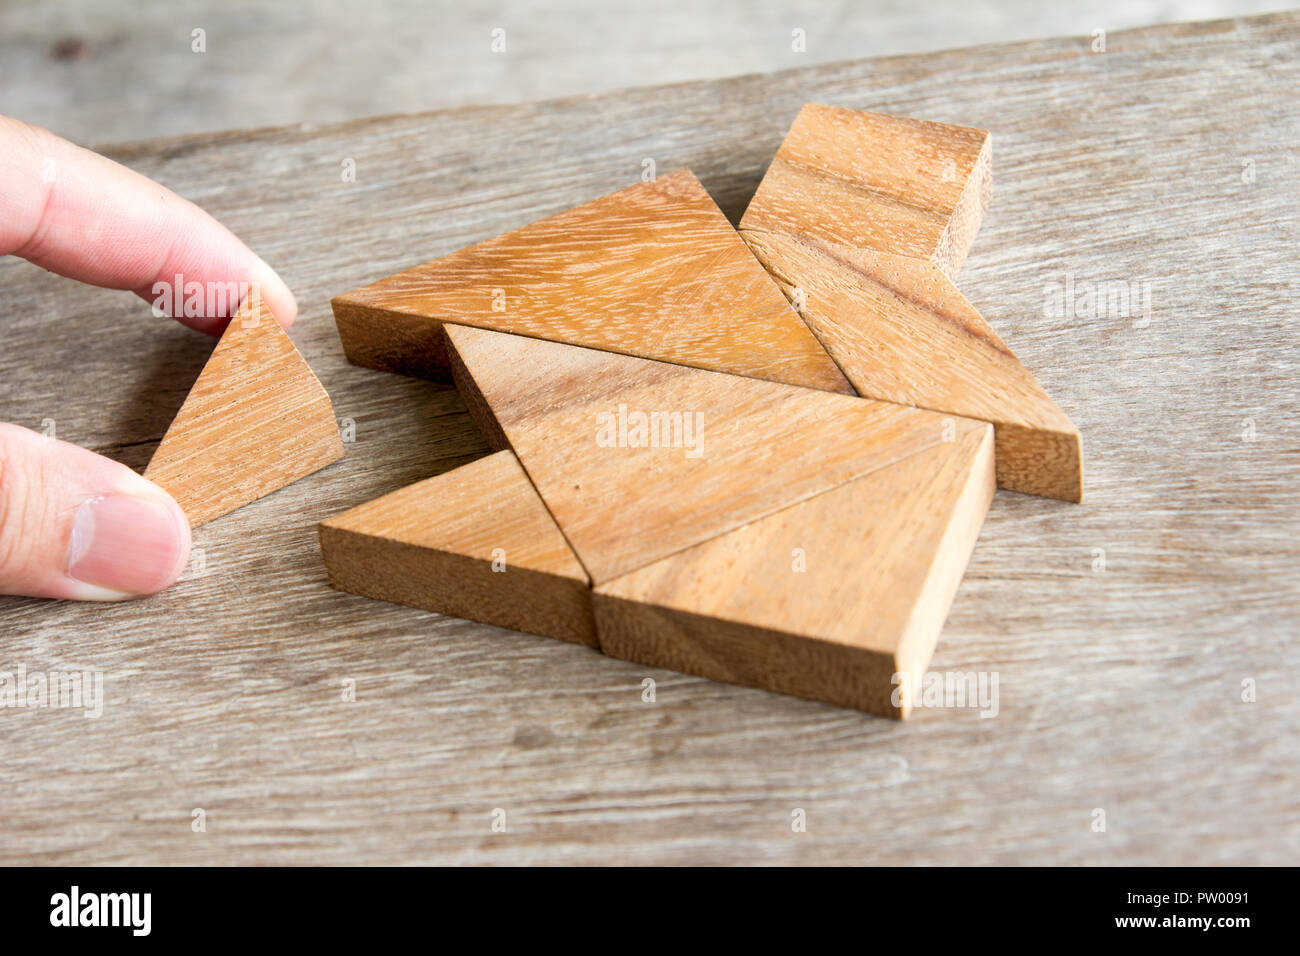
[[864, 220], [256, 420], [638, 459], [831, 599], [654, 270], [475, 543]]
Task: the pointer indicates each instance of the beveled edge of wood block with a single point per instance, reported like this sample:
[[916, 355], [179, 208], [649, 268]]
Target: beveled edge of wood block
[[916, 646], [682, 638], [959, 234], [1040, 461], [473, 397], [774, 659], [371, 339]]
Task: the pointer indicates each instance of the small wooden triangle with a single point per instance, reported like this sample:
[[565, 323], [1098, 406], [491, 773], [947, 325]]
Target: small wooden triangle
[[639, 459], [476, 542], [828, 599], [654, 270], [256, 420]]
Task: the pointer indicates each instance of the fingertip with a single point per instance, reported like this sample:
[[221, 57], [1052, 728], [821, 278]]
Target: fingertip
[[180, 533], [132, 542], [83, 527], [276, 294]]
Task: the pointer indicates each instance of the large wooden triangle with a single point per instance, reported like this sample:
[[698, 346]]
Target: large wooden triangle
[[839, 598], [654, 270], [256, 419], [639, 459]]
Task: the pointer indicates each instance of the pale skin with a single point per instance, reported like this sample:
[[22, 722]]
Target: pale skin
[[73, 524]]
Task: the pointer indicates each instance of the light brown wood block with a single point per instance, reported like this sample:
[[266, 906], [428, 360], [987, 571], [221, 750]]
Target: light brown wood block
[[256, 420], [903, 332], [864, 220], [828, 599], [874, 181], [475, 543], [654, 270], [639, 459]]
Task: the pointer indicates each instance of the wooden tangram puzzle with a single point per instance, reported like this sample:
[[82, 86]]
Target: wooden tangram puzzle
[[688, 471]]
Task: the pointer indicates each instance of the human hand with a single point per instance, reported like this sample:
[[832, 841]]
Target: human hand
[[72, 523]]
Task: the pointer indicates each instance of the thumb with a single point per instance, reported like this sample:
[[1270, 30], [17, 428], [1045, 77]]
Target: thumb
[[76, 525]]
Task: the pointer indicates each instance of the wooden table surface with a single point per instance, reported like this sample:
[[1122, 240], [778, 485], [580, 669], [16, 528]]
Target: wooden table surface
[[1171, 162], [107, 71]]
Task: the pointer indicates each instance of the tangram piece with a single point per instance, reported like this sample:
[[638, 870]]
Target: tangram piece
[[654, 270], [638, 459], [864, 220], [256, 420], [476, 543], [828, 599], [873, 181]]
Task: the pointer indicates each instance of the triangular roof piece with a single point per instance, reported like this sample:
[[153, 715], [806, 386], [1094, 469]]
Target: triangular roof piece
[[639, 459], [475, 542], [654, 270], [828, 599], [256, 420]]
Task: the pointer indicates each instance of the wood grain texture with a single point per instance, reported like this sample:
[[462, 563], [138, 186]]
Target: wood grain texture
[[828, 599], [908, 187], [865, 220], [902, 332], [1122, 628], [62, 66], [654, 270], [709, 451], [256, 420], [476, 543]]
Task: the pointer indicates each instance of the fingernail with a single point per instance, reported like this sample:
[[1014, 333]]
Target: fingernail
[[275, 294], [126, 547]]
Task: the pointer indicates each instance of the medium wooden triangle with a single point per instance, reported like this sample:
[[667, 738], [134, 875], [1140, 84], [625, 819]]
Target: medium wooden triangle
[[902, 332], [828, 599], [654, 270], [476, 542], [638, 459], [255, 420]]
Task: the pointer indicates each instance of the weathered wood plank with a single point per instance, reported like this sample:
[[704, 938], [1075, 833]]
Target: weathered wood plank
[[1122, 629], [63, 65]]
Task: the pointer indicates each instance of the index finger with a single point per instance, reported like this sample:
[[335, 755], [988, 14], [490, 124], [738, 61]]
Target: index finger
[[84, 216]]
